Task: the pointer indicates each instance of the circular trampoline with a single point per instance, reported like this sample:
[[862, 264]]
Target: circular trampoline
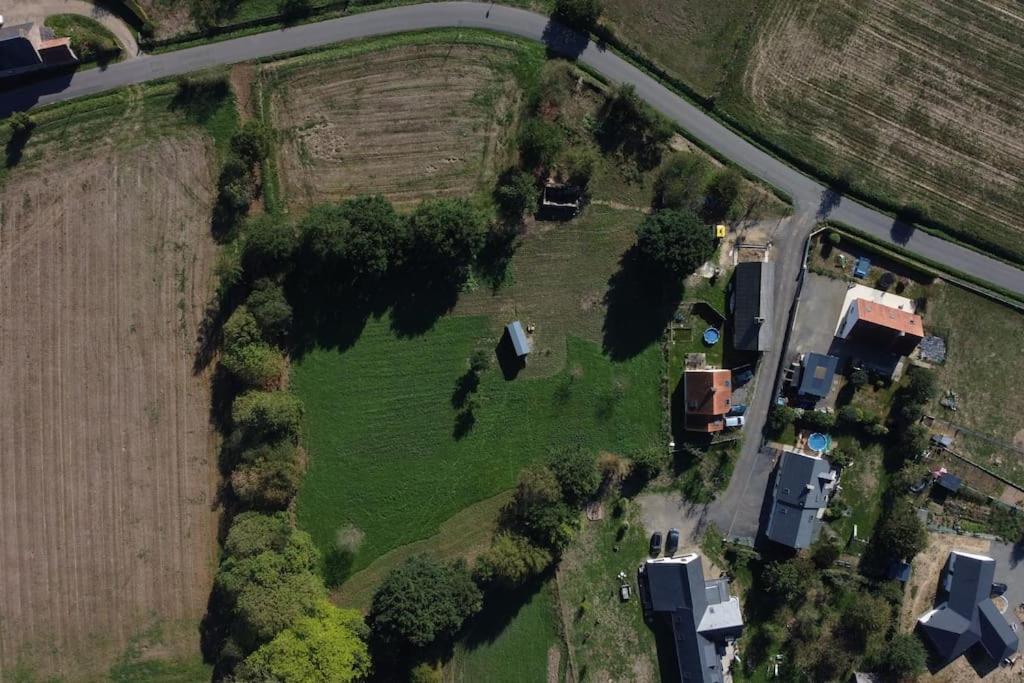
[[711, 336], [819, 442]]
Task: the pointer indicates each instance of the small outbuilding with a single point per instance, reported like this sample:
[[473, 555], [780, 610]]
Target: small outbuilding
[[520, 342], [943, 440], [818, 374], [950, 482]]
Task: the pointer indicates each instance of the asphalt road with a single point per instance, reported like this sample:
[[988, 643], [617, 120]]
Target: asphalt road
[[809, 196]]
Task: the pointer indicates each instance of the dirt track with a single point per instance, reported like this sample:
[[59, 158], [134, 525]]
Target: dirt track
[[106, 474]]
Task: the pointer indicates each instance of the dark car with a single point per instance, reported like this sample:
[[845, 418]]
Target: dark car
[[742, 375], [672, 543], [998, 589], [656, 543]]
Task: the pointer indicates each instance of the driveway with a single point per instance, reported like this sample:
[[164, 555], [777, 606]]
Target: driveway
[[820, 304], [1010, 570], [36, 11]]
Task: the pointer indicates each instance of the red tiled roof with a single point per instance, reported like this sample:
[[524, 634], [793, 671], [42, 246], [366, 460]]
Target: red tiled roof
[[887, 316]]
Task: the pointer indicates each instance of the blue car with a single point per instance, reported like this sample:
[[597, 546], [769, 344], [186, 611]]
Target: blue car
[[862, 268], [738, 409]]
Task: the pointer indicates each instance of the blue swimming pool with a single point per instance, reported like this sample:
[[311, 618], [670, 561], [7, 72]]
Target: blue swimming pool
[[819, 442], [711, 336]]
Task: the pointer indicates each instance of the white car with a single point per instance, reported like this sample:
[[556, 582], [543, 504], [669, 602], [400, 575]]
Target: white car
[[735, 421]]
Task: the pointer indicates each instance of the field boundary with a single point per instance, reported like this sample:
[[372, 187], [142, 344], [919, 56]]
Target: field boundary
[[927, 266]]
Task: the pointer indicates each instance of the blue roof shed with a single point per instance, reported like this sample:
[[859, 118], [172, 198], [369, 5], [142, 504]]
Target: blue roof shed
[[950, 482], [519, 340]]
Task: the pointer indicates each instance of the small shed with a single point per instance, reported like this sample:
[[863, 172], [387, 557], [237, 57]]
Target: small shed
[[950, 482], [520, 342], [900, 571], [943, 440], [818, 375]]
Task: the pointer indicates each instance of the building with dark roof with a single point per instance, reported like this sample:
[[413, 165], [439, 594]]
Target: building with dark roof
[[704, 618], [23, 49], [707, 397], [752, 311], [950, 482], [803, 484], [967, 616], [819, 371]]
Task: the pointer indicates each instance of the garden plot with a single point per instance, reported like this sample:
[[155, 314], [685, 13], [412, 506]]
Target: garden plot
[[413, 121]]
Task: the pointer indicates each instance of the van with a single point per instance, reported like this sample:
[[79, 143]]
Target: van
[[735, 421]]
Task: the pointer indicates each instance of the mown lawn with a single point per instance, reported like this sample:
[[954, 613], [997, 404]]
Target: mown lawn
[[511, 639]]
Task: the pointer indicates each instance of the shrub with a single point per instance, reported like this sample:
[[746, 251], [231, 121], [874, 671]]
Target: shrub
[[648, 462], [724, 192], [904, 657], [273, 415], [816, 419], [269, 475], [675, 242], [779, 417], [251, 143], [21, 124], [788, 580], [683, 181], [516, 194], [540, 142], [324, 647], [859, 377], [834, 239], [510, 561], [630, 126], [849, 416], [270, 244], [270, 309], [423, 601], [538, 510], [576, 472], [824, 554], [445, 236], [246, 356], [901, 535]]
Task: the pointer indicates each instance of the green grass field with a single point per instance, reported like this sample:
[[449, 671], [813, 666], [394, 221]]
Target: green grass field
[[511, 640], [90, 40]]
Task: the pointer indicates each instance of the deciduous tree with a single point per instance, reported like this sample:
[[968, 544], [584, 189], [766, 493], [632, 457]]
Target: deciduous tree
[[674, 241], [269, 415], [510, 561]]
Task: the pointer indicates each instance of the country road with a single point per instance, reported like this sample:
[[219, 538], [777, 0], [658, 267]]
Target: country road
[[812, 200]]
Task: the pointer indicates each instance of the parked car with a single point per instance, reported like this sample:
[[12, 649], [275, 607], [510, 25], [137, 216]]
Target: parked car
[[998, 589], [738, 409], [672, 542], [742, 375], [735, 421], [656, 543]]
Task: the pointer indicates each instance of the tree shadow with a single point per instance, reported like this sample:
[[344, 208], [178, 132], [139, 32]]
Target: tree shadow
[[509, 363], [901, 231], [494, 259], [465, 385], [198, 99], [326, 314], [639, 305], [831, 198], [500, 608], [16, 146], [464, 423], [419, 299], [337, 566], [562, 41]]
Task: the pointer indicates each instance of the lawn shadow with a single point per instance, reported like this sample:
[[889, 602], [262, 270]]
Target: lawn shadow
[[511, 364], [563, 41], [16, 146], [501, 606], [418, 301], [465, 385], [327, 316], [494, 259], [639, 306], [337, 566]]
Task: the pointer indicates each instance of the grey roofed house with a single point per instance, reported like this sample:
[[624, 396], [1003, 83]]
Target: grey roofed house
[[752, 294], [818, 373], [703, 616], [519, 341], [967, 616], [18, 46], [803, 484]]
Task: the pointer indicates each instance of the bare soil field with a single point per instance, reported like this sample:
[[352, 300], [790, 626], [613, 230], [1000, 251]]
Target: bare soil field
[[915, 101], [409, 122], [108, 478]]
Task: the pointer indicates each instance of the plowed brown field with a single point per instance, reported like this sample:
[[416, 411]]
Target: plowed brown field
[[106, 471], [917, 101], [409, 122]]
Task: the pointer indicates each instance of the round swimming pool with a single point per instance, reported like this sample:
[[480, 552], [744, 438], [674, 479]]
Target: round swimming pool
[[819, 442], [711, 336]]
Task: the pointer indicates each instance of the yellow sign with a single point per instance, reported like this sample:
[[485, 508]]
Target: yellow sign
[[720, 230]]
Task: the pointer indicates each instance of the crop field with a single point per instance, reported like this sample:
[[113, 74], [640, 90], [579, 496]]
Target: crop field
[[913, 101], [380, 421], [413, 121], [105, 448], [699, 41]]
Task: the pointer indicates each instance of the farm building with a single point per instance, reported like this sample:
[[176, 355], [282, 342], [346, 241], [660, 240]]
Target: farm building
[[560, 201], [967, 617], [803, 484], [707, 394], [751, 305], [819, 372], [885, 328], [24, 49], [520, 342], [705, 618]]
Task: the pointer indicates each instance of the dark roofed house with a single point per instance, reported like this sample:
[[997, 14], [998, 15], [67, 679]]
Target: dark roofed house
[[23, 49], [520, 342], [752, 291], [803, 484], [950, 482], [967, 616], [704, 618], [818, 374]]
